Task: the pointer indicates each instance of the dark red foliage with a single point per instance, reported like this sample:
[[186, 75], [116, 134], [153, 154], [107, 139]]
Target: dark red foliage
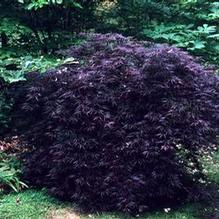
[[120, 130]]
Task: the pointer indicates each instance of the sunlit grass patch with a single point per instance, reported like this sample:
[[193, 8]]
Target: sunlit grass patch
[[30, 204]]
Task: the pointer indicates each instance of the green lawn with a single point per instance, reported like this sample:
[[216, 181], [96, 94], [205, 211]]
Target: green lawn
[[30, 204], [33, 204]]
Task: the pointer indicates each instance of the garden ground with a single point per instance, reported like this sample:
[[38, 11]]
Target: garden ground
[[36, 204]]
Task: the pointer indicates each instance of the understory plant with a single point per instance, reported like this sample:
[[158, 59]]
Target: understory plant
[[123, 128], [10, 172], [199, 40], [14, 65], [188, 24]]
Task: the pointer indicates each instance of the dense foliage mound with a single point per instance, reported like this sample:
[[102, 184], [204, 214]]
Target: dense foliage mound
[[123, 128]]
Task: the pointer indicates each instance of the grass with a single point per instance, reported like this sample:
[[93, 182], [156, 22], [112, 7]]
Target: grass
[[30, 204], [34, 204]]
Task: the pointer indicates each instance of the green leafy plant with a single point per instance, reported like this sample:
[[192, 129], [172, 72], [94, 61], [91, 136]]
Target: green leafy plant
[[10, 173], [201, 40], [16, 30], [129, 16], [188, 24], [38, 23], [14, 68], [38, 4]]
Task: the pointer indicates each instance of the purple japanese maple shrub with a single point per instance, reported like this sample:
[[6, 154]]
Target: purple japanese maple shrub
[[124, 128]]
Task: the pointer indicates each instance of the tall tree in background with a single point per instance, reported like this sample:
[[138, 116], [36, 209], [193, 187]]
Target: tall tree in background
[[45, 21]]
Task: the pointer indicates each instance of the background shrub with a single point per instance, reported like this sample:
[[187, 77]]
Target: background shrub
[[186, 24], [121, 129]]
